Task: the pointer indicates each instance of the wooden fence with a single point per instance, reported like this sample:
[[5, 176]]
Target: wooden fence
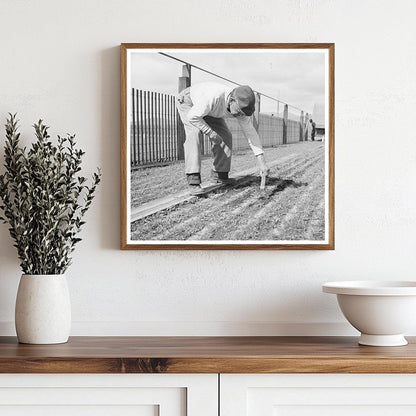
[[154, 128], [157, 134]]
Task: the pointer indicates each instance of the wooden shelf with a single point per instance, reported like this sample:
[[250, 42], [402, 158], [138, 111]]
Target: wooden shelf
[[206, 355]]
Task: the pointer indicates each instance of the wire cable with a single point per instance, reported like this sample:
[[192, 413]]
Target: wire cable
[[225, 79]]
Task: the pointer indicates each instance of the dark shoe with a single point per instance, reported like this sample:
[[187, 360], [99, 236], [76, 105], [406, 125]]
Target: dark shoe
[[221, 178], [195, 190], [229, 181], [193, 178]]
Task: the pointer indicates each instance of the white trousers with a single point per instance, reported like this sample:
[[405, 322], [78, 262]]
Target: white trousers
[[192, 145]]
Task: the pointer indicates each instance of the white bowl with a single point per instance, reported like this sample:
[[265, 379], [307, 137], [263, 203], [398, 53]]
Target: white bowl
[[381, 311]]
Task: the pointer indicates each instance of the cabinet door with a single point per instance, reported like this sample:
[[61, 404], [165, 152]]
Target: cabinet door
[[108, 395], [318, 394]]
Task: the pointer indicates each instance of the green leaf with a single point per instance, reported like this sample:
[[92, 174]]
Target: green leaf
[[44, 198]]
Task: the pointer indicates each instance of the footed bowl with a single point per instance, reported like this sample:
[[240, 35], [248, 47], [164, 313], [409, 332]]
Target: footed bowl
[[381, 311]]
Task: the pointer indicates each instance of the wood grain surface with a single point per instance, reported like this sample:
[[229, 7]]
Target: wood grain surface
[[206, 355]]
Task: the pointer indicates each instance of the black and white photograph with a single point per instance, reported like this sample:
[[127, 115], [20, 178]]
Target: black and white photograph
[[227, 147]]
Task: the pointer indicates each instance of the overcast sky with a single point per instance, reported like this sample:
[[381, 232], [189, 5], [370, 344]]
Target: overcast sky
[[297, 78]]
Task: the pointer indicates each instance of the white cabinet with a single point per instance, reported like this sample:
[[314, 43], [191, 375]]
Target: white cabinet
[[317, 394], [109, 395], [197, 395]]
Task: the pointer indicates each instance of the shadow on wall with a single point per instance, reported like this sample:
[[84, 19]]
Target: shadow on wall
[[281, 315], [110, 148]]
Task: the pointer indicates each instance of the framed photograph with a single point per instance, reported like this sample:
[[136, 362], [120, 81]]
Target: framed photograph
[[227, 146]]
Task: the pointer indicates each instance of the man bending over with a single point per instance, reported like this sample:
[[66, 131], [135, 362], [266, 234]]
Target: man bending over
[[203, 107]]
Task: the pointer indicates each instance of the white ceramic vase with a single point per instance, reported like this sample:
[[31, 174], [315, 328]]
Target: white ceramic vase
[[43, 309]]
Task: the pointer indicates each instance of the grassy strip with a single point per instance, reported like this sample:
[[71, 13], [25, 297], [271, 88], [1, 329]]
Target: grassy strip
[[224, 214], [148, 184], [284, 198]]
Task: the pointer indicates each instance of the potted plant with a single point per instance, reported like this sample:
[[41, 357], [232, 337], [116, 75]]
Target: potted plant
[[44, 199]]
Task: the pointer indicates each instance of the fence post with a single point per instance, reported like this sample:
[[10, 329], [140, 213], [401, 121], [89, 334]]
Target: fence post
[[285, 123], [184, 82], [256, 116], [306, 138], [301, 127], [133, 153]]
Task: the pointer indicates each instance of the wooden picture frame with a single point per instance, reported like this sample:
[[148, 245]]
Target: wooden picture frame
[[157, 212]]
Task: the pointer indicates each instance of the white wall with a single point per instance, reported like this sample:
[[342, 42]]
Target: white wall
[[60, 62]]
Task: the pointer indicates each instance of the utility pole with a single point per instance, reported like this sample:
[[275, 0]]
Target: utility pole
[[184, 82]]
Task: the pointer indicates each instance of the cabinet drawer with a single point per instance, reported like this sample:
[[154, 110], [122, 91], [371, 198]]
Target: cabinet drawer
[[318, 394], [108, 395]]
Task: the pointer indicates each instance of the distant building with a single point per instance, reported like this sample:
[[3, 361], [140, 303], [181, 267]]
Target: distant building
[[318, 116]]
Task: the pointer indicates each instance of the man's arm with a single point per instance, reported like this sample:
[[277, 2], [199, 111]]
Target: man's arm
[[251, 135], [254, 142], [196, 118]]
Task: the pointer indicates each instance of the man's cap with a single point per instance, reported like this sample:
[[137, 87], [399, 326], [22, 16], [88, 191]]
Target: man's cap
[[245, 98]]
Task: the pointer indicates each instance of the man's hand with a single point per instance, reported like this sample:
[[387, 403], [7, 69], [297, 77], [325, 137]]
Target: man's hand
[[217, 139], [263, 168]]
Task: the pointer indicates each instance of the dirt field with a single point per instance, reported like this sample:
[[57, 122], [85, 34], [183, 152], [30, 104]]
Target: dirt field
[[291, 208]]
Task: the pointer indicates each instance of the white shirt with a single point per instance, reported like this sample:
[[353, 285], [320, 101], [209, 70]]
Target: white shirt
[[210, 99]]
